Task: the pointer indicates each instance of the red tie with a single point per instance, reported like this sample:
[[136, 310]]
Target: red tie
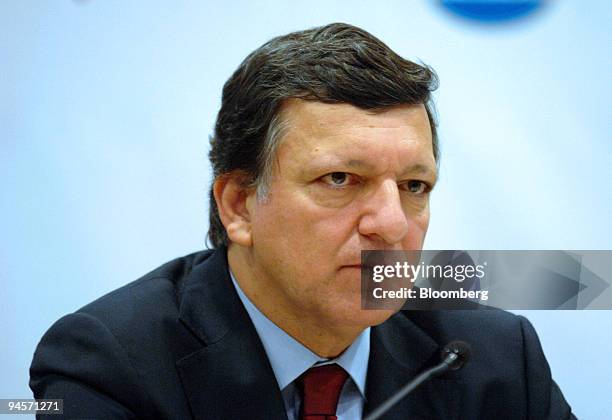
[[321, 388]]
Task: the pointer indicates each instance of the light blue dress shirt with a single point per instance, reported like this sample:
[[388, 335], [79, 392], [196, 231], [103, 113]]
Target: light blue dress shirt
[[289, 359]]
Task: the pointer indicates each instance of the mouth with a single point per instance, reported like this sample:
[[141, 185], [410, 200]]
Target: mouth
[[357, 266]]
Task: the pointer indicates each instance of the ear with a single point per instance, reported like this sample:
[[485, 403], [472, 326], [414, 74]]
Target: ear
[[231, 196]]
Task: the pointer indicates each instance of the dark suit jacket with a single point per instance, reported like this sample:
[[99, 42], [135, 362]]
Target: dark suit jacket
[[179, 344]]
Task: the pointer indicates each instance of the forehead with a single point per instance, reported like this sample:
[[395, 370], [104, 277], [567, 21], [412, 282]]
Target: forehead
[[317, 130], [307, 111]]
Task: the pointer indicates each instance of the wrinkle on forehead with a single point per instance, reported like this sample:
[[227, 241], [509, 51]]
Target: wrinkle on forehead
[[315, 115], [319, 130]]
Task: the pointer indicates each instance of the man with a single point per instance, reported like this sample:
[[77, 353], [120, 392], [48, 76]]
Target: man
[[325, 145]]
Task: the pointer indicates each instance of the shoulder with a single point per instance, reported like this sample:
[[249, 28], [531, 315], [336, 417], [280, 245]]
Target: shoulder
[[507, 366], [123, 346], [156, 294], [491, 323], [493, 334], [141, 314]]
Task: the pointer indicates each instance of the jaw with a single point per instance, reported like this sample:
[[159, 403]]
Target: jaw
[[325, 323]]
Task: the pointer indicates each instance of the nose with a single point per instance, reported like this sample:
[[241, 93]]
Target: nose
[[383, 217]]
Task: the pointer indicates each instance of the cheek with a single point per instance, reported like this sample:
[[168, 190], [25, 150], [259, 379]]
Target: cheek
[[334, 227], [419, 224], [318, 222], [292, 228]]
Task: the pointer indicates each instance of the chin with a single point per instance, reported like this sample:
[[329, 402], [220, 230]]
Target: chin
[[375, 317], [364, 318]]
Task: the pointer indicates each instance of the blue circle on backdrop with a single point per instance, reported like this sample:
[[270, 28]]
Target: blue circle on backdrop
[[492, 10]]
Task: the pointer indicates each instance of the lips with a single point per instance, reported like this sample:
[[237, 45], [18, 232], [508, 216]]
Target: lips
[[359, 266]]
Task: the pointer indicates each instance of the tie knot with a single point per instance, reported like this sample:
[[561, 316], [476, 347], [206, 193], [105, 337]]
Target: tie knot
[[321, 388]]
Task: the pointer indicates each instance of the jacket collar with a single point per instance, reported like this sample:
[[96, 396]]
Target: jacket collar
[[400, 350], [229, 376]]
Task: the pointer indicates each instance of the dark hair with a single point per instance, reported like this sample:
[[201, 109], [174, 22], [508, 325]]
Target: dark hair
[[336, 63]]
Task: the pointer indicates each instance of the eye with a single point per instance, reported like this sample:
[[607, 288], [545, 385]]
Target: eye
[[416, 187], [337, 179]]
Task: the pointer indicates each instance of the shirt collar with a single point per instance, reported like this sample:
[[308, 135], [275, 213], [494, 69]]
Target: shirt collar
[[289, 358]]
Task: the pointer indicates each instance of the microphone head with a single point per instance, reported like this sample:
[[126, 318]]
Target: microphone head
[[456, 354]]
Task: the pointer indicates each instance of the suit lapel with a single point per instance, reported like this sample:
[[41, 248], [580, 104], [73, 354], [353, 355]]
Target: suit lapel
[[400, 350], [229, 377]]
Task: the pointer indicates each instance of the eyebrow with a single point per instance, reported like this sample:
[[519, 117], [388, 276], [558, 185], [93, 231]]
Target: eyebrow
[[416, 168]]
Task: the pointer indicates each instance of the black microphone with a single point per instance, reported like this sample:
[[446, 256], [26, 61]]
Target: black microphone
[[454, 355]]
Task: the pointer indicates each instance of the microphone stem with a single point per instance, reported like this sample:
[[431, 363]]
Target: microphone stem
[[409, 387]]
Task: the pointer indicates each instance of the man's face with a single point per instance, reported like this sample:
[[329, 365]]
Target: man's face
[[344, 180]]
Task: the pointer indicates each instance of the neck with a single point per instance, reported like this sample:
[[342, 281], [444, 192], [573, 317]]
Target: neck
[[318, 336]]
